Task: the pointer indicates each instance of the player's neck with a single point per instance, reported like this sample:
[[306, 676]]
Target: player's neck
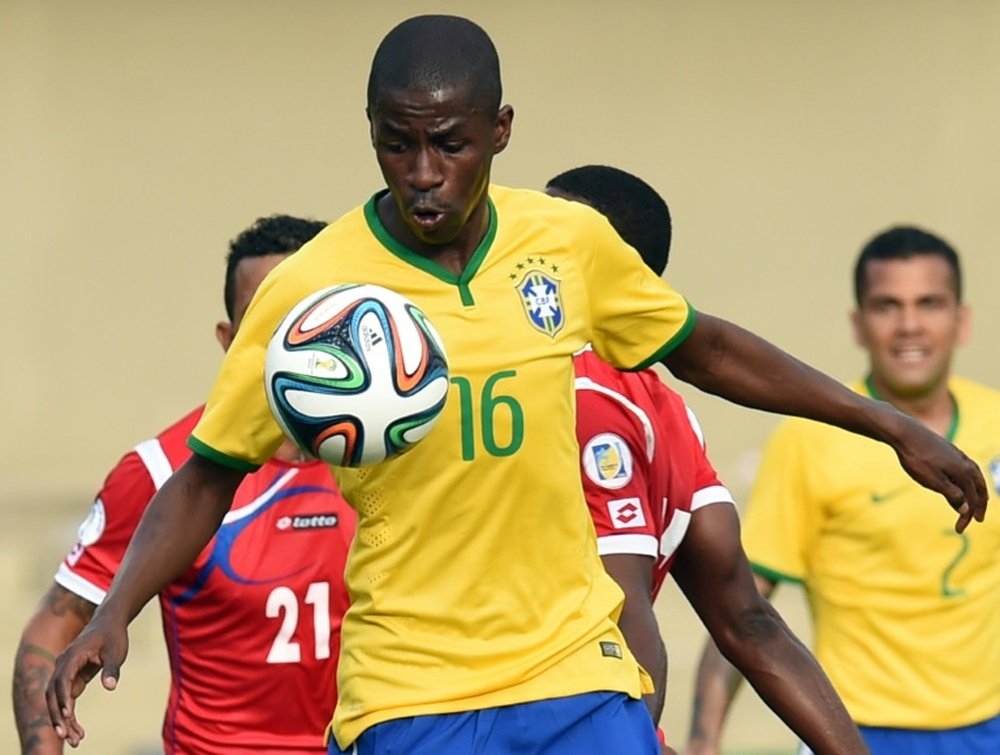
[[936, 409], [453, 255]]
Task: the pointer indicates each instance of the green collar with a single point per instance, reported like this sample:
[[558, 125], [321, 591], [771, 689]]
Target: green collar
[[429, 266], [952, 428]]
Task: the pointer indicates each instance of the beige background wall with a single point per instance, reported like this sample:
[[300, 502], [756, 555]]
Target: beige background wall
[[136, 138]]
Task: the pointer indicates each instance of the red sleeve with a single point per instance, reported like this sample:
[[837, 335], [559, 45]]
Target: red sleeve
[[708, 488], [104, 535], [614, 466]]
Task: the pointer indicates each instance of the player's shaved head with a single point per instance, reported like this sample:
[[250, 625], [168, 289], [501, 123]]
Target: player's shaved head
[[437, 53]]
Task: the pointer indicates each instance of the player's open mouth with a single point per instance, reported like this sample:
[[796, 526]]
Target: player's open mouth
[[427, 219]]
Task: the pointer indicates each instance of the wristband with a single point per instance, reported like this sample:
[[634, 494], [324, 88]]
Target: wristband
[[661, 737]]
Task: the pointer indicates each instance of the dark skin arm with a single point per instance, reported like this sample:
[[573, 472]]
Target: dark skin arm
[[59, 618], [713, 572], [180, 520], [634, 574], [715, 686], [723, 359]]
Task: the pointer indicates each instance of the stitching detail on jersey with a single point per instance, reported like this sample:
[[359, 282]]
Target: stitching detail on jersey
[[674, 533], [155, 460], [633, 545], [79, 586], [265, 497], [586, 384], [695, 425], [711, 494]]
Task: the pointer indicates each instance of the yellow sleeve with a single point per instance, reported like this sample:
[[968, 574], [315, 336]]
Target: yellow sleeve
[[636, 317], [237, 429], [783, 516]]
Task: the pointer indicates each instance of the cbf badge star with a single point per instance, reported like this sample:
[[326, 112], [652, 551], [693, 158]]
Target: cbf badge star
[[539, 292]]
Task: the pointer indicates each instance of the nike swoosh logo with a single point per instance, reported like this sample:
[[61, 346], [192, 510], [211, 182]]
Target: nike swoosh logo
[[878, 498]]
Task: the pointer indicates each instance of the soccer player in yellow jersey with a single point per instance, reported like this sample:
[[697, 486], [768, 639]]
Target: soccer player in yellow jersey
[[481, 619], [906, 610]]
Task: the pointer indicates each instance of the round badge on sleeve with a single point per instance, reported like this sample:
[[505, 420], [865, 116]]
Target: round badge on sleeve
[[93, 526], [607, 461]]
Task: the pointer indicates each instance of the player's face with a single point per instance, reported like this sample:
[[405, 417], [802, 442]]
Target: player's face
[[247, 277], [435, 152], [910, 321]]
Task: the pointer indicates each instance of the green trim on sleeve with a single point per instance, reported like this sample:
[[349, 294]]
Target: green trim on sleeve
[[679, 337], [774, 576], [231, 462]]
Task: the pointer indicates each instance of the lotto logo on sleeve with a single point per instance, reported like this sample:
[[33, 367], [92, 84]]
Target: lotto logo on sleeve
[[607, 461], [307, 522], [626, 513]]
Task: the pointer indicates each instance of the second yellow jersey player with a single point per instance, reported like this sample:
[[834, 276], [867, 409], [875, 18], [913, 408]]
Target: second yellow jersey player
[[906, 611]]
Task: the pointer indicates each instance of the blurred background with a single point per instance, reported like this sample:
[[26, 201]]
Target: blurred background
[[136, 139]]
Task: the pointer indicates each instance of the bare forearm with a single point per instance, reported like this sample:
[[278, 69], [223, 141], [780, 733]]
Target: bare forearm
[[32, 670], [643, 638], [716, 683], [634, 574], [60, 617], [713, 571], [723, 359], [791, 682], [178, 523]]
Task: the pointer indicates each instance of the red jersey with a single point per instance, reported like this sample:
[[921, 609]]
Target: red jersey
[[253, 627], [643, 459]]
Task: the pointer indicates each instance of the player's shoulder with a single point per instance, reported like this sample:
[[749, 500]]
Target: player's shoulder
[[558, 216], [155, 458], [336, 237], [162, 454], [506, 198], [182, 428], [975, 397]]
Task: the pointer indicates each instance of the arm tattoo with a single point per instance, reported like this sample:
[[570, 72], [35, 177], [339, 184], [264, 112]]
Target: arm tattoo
[[61, 602], [32, 669]]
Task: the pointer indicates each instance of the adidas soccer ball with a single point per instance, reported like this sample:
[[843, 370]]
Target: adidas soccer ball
[[355, 374]]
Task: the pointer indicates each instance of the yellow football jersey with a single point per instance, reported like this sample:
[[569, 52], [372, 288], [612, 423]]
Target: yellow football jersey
[[906, 611], [474, 575]]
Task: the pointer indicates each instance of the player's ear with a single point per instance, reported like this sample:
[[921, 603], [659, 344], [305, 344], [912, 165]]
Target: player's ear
[[858, 326], [964, 324], [224, 333], [501, 129], [371, 125]]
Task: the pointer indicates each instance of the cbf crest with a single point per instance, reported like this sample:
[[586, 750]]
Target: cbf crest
[[542, 302], [995, 474]]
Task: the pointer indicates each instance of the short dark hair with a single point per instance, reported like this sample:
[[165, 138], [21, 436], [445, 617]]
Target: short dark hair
[[275, 234], [901, 243], [634, 208], [431, 53]]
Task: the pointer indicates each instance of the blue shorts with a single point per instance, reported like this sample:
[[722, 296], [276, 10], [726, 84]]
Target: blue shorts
[[978, 739], [596, 723]]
